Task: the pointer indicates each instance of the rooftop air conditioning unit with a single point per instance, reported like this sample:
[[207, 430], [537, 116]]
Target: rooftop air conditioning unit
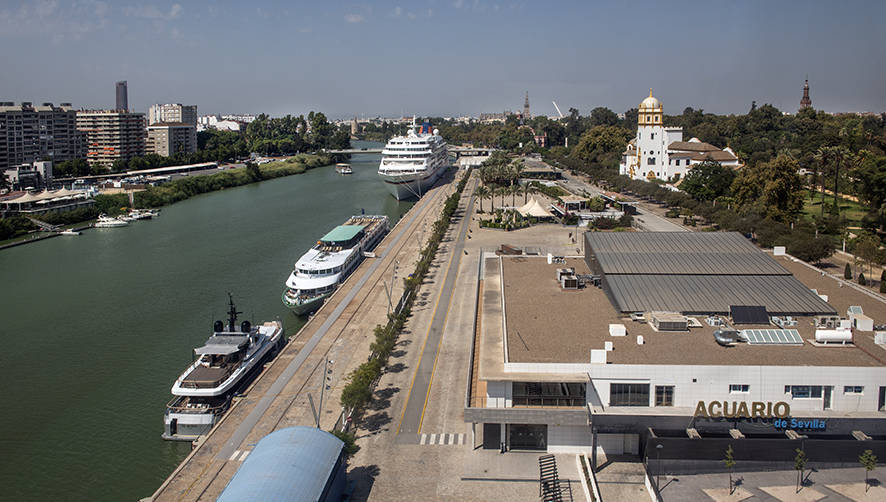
[[669, 321], [617, 330], [569, 282]]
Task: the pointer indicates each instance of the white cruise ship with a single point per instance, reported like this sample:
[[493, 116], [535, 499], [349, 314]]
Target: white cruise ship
[[326, 265], [224, 364], [411, 164]]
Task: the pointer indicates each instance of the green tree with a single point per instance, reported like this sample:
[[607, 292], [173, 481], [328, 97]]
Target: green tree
[[883, 281], [773, 189], [602, 116], [847, 272], [253, 171], [861, 279], [729, 461], [869, 461], [602, 145], [800, 462], [867, 247], [708, 180], [349, 440], [809, 248]]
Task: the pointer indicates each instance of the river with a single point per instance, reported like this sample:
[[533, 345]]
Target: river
[[96, 328]]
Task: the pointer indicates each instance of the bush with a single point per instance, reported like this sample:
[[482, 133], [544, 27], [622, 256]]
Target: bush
[[847, 272], [861, 279], [809, 248]]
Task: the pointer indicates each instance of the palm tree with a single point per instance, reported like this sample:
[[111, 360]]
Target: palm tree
[[514, 189], [822, 156], [527, 188], [481, 192]]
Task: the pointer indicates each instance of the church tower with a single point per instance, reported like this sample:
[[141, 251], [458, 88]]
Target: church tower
[[806, 102], [526, 115], [651, 155]]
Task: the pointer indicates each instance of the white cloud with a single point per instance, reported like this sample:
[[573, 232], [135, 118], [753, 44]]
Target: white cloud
[[459, 4], [66, 22], [354, 18], [175, 11], [398, 11]]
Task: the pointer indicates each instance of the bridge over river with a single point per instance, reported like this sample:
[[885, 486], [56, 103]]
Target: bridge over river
[[458, 151]]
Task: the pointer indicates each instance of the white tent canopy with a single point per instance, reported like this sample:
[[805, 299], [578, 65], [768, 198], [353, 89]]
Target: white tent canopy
[[533, 208]]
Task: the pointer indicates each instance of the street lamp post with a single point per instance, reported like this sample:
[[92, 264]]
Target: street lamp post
[[658, 448], [326, 372]]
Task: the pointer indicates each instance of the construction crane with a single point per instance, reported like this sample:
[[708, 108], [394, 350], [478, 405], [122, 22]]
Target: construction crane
[[558, 109]]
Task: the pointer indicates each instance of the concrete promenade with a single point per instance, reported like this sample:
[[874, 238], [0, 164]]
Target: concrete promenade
[[340, 331]]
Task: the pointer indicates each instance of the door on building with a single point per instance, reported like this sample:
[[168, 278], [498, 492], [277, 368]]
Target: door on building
[[528, 437], [881, 405], [491, 436], [826, 392]]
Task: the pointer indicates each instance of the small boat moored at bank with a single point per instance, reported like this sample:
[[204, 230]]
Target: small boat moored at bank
[[105, 221], [343, 168]]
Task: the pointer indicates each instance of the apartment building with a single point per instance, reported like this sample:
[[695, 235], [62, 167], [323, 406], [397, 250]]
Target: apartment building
[[32, 133], [168, 139], [172, 113], [112, 135]]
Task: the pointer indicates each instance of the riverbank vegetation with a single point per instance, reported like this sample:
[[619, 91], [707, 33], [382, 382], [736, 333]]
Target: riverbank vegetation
[[357, 394], [168, 193]]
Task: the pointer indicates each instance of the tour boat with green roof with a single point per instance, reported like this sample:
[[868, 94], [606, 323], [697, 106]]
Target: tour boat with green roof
[[318, 272]]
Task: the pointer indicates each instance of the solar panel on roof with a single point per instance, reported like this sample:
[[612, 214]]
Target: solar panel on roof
[[748, 314], [772, 336], [855, 309]]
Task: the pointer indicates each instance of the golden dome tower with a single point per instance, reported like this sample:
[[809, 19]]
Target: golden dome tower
[[650, 111]]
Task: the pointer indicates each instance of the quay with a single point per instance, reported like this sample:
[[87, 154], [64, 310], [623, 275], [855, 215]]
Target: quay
[[336, 337]]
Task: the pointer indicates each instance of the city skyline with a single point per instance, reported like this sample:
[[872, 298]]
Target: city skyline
[[445, 57]]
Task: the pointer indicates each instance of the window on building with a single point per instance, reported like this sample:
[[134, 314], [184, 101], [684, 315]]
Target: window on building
[[549, 394], [656, 118], [739, 387], [629, 394], [650, 161], [664, 395], [652, 136], [853, 389], [803, 391]]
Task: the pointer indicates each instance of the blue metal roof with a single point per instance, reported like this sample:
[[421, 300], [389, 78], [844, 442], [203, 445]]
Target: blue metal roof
[[291, 464]]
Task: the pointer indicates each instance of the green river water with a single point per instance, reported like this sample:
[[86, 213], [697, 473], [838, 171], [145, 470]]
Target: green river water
[[96, 328]]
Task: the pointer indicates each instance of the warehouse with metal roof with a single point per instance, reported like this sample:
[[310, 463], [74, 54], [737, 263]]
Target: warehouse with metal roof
[[694, 273], [293, 464]]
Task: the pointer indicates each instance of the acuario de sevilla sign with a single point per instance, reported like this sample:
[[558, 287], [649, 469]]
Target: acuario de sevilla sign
[[740, 409]]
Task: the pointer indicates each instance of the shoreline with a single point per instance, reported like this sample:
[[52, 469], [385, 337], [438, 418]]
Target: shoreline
[[270, 171]]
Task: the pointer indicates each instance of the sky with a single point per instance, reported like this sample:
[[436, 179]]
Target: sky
[[444, 57]]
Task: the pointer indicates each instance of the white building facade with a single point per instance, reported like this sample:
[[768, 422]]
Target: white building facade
[[659, 152]]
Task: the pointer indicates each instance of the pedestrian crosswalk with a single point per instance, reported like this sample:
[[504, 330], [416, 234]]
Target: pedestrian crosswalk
[[442, 439], [239, 455]]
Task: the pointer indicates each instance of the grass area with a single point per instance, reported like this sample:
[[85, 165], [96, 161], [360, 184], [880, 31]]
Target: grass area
[[301, 162], [852, 211]]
